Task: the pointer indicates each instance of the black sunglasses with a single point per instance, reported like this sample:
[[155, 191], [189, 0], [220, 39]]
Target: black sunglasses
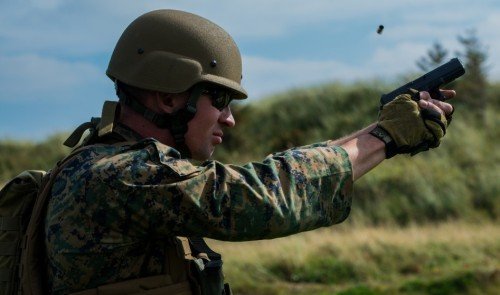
[[221, 97]]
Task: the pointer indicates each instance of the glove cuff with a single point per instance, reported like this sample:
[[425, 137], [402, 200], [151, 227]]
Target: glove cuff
[[390, 145]]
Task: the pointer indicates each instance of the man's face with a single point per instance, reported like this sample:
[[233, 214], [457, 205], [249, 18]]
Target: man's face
[[205, 130]]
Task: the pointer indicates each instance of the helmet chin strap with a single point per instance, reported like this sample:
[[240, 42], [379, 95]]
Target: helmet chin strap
[[176, 122]]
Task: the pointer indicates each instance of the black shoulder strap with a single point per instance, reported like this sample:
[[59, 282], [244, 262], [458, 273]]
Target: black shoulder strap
[[198, 245]]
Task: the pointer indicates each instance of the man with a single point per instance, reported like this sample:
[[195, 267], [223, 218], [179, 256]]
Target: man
[[119, 207]]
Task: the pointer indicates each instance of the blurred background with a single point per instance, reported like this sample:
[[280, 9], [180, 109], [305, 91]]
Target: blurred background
[[314, 71]]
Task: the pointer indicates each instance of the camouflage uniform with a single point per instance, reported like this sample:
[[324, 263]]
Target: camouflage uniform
[[112, 205]]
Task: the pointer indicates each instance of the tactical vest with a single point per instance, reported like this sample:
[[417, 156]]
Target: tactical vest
[[191, 267]]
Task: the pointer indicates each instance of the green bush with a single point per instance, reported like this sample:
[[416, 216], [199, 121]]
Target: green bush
[[16, 156], [457, 180]]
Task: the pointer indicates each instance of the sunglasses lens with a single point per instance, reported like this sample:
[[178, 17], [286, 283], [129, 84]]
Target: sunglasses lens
[[220, 98]]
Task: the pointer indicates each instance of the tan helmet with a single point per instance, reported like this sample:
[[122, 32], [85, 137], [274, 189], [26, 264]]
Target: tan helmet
[[170, 51]]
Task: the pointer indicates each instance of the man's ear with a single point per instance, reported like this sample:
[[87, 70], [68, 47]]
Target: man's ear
[[169, 102]]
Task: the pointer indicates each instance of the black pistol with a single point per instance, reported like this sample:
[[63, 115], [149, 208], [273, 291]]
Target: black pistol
[[430, 82]]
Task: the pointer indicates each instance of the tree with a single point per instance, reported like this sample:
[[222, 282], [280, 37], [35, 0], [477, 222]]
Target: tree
[[435, 57], [472, 87]]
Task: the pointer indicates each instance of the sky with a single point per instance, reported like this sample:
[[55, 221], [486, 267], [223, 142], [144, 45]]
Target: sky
[[54, 53]]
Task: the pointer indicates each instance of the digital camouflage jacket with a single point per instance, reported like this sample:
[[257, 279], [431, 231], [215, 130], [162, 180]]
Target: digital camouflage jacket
[[113, 208]]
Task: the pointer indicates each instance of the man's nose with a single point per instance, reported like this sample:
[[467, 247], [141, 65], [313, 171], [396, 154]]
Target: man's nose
[[226, 117]]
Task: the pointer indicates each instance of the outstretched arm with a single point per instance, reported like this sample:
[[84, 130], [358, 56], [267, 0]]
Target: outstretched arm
[[366, 151]]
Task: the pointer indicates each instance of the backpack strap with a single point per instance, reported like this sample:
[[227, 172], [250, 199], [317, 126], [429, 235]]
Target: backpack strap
[[96, 127]]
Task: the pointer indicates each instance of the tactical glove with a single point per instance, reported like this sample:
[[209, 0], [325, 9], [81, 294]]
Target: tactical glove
[[407, 129]]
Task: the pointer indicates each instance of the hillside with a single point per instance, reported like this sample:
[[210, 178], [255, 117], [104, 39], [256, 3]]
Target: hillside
[[457, 180], [421, 225]]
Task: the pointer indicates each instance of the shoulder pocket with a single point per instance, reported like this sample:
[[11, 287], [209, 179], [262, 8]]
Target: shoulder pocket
[[168, 157]]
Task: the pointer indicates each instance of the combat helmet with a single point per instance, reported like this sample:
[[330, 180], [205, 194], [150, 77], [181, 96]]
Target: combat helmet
[[172, 51]]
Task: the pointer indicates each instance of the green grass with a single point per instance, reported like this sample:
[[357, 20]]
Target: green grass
[[451, 258]]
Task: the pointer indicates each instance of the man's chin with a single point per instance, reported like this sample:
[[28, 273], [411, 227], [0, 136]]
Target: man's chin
[[203, 156]]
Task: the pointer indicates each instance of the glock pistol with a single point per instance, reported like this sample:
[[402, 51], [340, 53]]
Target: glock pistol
[[430, 82]]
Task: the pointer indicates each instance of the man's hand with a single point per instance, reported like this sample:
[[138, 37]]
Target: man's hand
[[412, 123], [426, 102]]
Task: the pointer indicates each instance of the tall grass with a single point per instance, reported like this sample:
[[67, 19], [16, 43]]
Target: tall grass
[[449, 258], [458, 180]]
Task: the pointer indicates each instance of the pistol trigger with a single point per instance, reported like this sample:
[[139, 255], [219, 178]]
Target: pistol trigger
[[415, 94]]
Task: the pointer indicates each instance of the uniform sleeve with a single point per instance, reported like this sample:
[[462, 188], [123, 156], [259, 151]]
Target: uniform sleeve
[[288, 192]]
